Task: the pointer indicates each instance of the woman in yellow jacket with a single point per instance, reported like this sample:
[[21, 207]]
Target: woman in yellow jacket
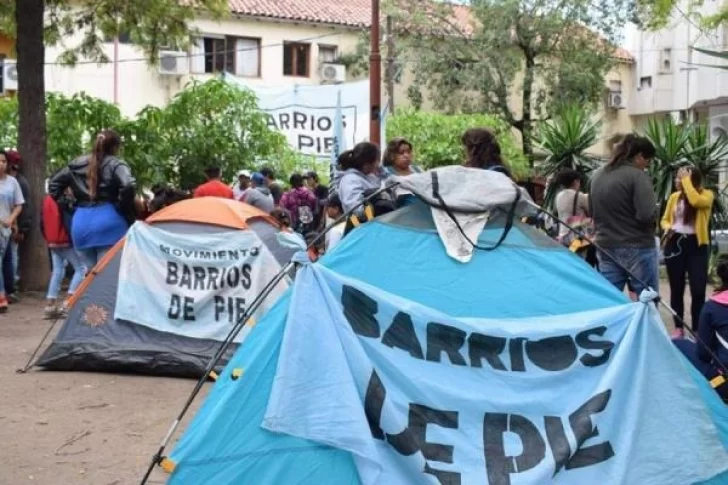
[[687, 249]]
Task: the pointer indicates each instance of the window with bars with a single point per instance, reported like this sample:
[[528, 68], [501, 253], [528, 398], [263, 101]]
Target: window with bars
[[296, 59], [328, 53]]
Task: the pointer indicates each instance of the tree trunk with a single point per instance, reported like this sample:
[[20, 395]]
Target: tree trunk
[[34, 268], [526, 119]]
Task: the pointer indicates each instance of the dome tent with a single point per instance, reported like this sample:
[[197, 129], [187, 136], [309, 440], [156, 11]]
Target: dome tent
[[93, 339], [528, 278]]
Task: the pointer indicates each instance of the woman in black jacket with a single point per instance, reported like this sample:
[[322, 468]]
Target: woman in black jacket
[[103, 188]]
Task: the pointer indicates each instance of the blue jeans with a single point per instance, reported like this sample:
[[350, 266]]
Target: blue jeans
[[14, 249], [58, 258], [638, 266], [4, 248], [91, 256]]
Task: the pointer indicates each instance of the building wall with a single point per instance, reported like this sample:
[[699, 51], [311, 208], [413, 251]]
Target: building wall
[[140, 85]]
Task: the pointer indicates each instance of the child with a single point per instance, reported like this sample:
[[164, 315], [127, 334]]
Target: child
[[333, 212], [56, 234]]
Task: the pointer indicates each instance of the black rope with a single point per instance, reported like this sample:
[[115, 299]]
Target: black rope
[[658, 299], [510, 215]]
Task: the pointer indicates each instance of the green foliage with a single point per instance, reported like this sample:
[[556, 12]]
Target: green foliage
[[565, 140], [436, 137], [541, 53], [150, 24], [658, 14], [212, 123], [680, 145]]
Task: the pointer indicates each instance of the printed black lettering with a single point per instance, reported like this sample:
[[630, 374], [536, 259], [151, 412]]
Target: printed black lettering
[[299, 120], [373, 403], [324, 123], [500, 466], [164, 249], [272, 122], [246, 280], [285, 119], [584, 429], [486, 347], [553, 353], [233, 254], [212, 279], [233, 277], [199, 278], [515, 349], [188, 309], [558, 442], [606, 346], [360, 311], [419, 417], [444, 338], [305, 141], [239, 309], [174, 307], [401, 335], [186, 280], [329, 143], [172, 270], [219, 307], [255, 250]]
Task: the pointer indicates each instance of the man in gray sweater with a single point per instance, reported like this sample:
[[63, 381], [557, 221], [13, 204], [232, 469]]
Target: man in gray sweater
[[624, 210]]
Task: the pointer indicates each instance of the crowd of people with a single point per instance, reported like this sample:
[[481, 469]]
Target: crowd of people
[[92, 202]]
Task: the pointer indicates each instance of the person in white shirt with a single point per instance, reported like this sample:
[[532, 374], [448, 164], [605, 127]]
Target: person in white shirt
[[242, 185]]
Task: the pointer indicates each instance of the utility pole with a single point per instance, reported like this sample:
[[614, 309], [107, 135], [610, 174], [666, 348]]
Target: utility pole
[[116, 69], [390, 66], [375, 78]]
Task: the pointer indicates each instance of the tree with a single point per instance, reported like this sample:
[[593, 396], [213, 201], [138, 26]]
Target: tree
[[151, 24], [565, 140], [657, 14], [518, 59], [436, 137]]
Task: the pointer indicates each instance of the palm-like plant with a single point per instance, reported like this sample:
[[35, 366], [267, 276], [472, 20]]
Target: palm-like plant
[[709, 156], [671, 143], [565, 140]]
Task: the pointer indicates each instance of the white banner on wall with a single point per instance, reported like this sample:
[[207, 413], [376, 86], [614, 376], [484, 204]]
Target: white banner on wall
[[306, 114]]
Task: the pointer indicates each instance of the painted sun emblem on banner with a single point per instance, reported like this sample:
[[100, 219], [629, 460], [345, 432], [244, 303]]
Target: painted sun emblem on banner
[[95, 316]]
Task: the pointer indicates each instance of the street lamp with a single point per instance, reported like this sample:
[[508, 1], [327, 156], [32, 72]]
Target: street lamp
[[375, 78]]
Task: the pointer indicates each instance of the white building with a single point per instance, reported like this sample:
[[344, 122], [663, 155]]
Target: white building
[[672, 79], [270, 42]]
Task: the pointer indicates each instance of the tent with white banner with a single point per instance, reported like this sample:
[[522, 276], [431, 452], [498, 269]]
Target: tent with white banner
[[390, 361], [163, 300]]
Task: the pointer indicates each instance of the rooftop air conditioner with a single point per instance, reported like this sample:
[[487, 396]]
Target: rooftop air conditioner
[[615, 101], [333, 73], [10, 75], [173, 63]]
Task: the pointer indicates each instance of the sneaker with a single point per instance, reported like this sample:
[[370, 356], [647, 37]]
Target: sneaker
[[3, 304], [13, 298], [678, 333], [50, 312]]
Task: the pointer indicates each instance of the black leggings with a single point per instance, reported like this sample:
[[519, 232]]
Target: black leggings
[[683, 257]]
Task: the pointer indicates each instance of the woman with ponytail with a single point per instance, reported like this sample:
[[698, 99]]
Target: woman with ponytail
[[624, 209], [687, 243], [103, 188], [710, 357]]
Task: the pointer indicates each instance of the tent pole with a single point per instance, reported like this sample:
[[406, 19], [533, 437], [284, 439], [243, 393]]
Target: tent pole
[[239, 327], [241, 323], [29, 364]]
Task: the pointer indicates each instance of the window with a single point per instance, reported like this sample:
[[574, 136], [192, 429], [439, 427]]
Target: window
[[124, 38], [615, 86], [666, 61], [328, 53], [239, 56], [296, 59], [646, 82]]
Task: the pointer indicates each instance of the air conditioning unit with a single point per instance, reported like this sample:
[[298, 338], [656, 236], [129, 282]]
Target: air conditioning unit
[[333, 73], [10, 75], [615, 100], [173, 63]]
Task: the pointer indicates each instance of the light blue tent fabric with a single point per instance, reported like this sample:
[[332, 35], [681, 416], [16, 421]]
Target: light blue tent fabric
[[400, 253]]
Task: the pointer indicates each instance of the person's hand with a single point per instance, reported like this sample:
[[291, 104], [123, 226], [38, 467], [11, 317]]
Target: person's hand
[[5, 223]]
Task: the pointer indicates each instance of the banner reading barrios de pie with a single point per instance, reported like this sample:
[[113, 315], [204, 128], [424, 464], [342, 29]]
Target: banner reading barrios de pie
[[421, 397], [198, 285]]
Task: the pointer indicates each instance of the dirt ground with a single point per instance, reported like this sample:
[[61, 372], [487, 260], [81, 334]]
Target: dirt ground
[[64, 428]]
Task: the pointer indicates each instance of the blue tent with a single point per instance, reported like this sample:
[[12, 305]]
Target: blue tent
[[527, 276]]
